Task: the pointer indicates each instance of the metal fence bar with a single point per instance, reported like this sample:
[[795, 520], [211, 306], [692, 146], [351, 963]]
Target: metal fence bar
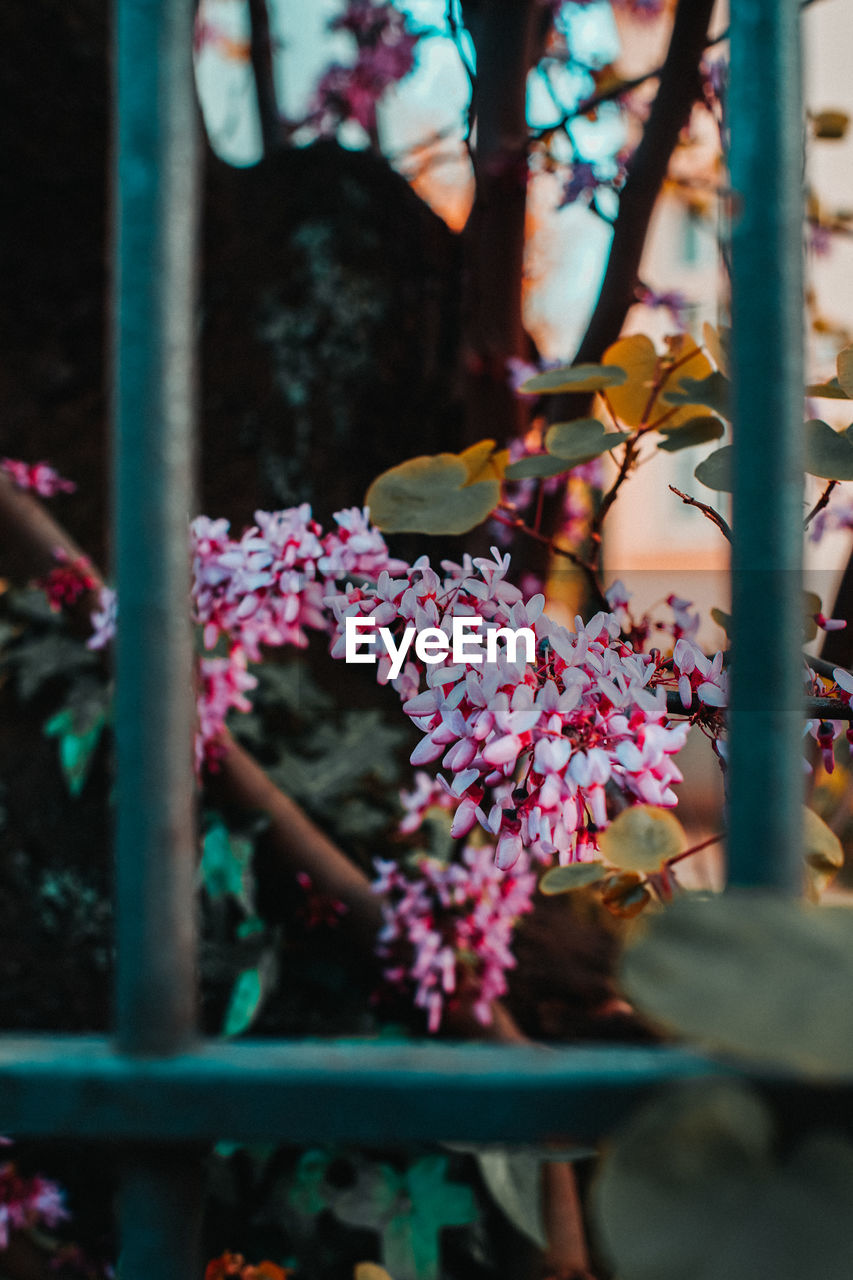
[[156, 217], [310, 1092], [154, 395], [766, 774]]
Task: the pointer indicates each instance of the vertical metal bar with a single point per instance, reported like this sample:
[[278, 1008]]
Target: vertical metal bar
[[160, 1214], [766, 771], [156, 209]]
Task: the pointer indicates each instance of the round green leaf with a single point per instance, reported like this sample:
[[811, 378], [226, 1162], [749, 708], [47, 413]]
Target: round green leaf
[[821, 846], [829, 453], [751, 973], [692, 1188], [713, 391], [514, 1181], [642, 838], [723, 620], [581, 440], [696, 431], [575, 378], [716, 470], [844, 368], [538, 465], [244, 1003], [575, 876], [831, 390], [431, 494]]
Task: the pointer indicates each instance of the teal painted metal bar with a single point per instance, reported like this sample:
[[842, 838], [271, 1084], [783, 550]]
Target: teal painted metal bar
[[155, 320], [358, 1092], [156, 216], [766, 777]]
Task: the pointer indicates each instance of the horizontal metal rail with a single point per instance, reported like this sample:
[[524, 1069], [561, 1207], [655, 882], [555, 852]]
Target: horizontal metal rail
[[358, 1091]]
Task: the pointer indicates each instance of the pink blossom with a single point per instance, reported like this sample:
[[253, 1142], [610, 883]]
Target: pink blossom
[[447, 929], [386, 53], [104, 620], [36, 477], [529, 750], [223, 684], [27, 1202]]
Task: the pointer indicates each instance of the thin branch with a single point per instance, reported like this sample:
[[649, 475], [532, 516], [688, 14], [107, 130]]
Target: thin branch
[[513, 521], [696, 848], [820, 504], [261, 58], [712, 515]]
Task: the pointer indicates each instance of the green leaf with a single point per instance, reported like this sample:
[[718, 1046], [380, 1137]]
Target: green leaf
[[822, 849], [844, 368], [308, 1193], [723, 620], [575, 378], [226, 866], [692, 1188], [248, 995], [537, 465], [575, 876], [431, 494], [46, 657], [713, 391], [829, 453], [751, 973], [686, 434], [811, 605], [514, 1181], [78, 728], [831, 390], [409, 1210], [581, 440], [642, 838], [716, 470]]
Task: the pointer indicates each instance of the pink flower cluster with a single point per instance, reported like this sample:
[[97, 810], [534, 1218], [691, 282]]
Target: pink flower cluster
[[27, 1202], [386, 53], [426, 794], [267, 588], [825, 732], [68, 581], [448, 931], [700, 676], [36, 477], [532, 748]]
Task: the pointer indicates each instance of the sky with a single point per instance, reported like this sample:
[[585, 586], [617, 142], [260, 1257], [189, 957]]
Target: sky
[[567, 249]]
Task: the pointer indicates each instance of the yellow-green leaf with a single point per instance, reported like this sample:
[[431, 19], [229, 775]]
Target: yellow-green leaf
[[829, 453], [844, 368], [717, 342], [713, 391], [484, 462], [637, 356], [431, 494], [698, 1185], [751, 973], [576, 876], [715, 471], [683, 435], [821, 846], [581, 440], [642, 838], [831, 390], [538, 466], [575, 378]]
